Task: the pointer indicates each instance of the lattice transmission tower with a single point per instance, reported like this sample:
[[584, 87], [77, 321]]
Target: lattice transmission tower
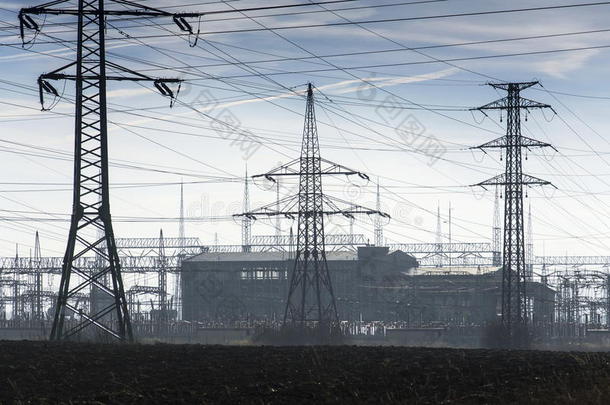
[[496, 231], [310, 294], [529, 246], [378, 220], [177, 296], [246, 222], [514, 298], [91, 208], [37, 310], [438, 247]]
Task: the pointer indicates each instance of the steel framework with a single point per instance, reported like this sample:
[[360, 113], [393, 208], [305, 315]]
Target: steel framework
[[514, 298], [496, 238], [91, 208], [310, 293], [246, 223], [378, 221]]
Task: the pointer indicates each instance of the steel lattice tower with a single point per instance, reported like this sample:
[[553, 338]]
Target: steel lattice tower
[[378, 220], [37, 311], [496, 232], [310, 294], [177, 298], [181, 231], [91, 203], [514, 298], [246, 223], [162, 281], [439, 237], [529, 247]]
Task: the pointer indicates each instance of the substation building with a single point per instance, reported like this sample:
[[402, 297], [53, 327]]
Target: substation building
[[370, 284]]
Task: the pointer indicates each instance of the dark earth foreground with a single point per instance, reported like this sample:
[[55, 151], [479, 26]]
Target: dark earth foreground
[[40, 372]]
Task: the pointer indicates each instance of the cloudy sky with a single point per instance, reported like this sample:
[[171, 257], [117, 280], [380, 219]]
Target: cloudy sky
[[393, 100]]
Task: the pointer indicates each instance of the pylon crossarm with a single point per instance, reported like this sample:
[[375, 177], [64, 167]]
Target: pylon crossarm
[[502, 180], [288, 169], [496, 143], [337, 169], [141, 11], [534, 143], [160, 84], [520, 86], [531, 104], [349, 209], [528, 180], [293, 168], [503, 143], [287, 207], [499, 104]]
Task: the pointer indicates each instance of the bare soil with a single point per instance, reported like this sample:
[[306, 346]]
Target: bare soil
[[42, 372]]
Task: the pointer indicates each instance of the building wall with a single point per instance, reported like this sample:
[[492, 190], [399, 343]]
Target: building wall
[[372, 288]]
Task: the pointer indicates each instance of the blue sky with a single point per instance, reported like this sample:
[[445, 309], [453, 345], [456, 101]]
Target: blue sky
[[357, 124]]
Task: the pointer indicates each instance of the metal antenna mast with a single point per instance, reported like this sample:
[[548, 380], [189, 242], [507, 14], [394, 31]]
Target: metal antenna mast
[[37, 312], [181, 232], [91, 208], [163, 310], [177, 298], [378, 223], [496, 231], [439, 237], [246, 222], [16, 285], [310, 294], [514, 298]]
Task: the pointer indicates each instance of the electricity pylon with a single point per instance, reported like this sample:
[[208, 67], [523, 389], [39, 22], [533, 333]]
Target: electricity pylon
[[439, 237], [378, 221], [310, 294], [246, 223], [37, 311], [163, 314], [91, 208], [177, 297], [514, 298], [529, 247], [496, 232]]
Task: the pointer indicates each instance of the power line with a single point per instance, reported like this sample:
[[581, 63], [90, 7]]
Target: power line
[[376, 21]]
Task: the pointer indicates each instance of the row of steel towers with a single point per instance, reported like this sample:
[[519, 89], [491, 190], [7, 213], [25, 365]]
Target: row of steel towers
[[310, 295]]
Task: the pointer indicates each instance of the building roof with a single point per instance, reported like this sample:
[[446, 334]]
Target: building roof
[[448, 271], [263, 256]]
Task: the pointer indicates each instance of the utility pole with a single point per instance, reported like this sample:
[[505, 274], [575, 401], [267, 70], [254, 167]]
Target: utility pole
[[514, 298], [246, 223], [310, 293], [91, 208], [496, 232]]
